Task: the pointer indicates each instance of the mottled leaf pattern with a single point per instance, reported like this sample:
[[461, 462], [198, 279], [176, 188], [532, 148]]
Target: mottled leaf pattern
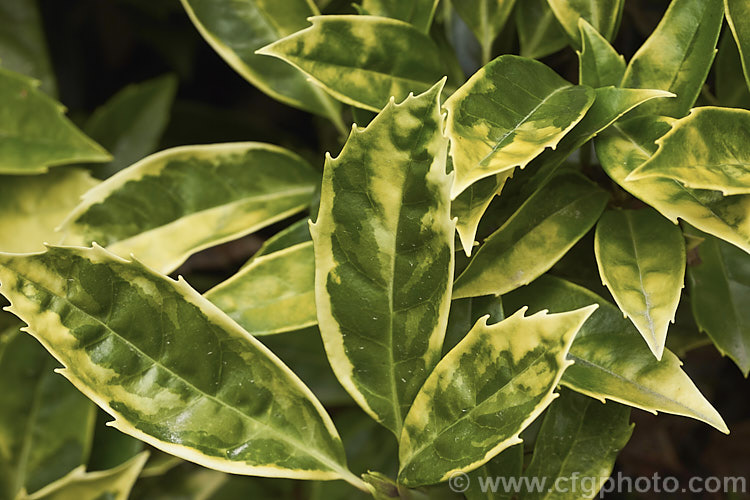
[[130, 340], [384, 256], [363, 60], [603, 15], [179, 201], [612, 361], [484, 392], [507, 114], [599, 64], [34, 132], [470, 205], [536, 236], [678, 55], [708, 149], [641, 259], [719, 294], [45, 423], [275, 293], [416, 12]]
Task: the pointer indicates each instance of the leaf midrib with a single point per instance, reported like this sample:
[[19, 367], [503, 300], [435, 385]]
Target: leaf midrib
[[20, 476]]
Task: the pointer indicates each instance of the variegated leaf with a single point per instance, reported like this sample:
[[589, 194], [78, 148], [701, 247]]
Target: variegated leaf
[[611, 360], [469, 206], [579, 437], [176, 202], [539, 33], [112, 484], [536, 236], [416, 12], [508, 464], [363, 60], [22, 45], [237, 28], [384, 256], [738, 16], [170, 367], [719, 294], [641, 259], [507, 114], [677, 56], [485, 18], [628, 144], [705, 150], [130, 124], [46, 425], [34, 132], [603, 15], [275, 293], [599, 64], [32, 206], [484, 392]]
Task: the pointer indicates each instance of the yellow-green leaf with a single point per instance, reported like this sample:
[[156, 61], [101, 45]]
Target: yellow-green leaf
[[363, 60], [708, 149], [719, 294], [738, 17], [384, 256], [641, 259], [130, 338], [469, 206], [599, 64], [112, 484], [603, 15], [485, 18], [46, 425], [34, 132], [32, 206], [731, 89], [237, 28], [484, 392], [536, 236], [275, 293], [677, 56], [416, 12], [539, 33], [176, 202], [507, 114], [612, 361]]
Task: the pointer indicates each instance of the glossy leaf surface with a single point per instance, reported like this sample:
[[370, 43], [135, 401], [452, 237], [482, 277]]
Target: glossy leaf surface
[[32, 206], [34, 132], [237, 29], [738, 17], [507, 114], [708, 149], [45, 423], [179, 201], [484, 392], [275, 293], [678, 55], [599, 64], [579, 437], [612, 361], [363, 60], [129, 339], [536, 236], [472, 203], [628, 144], [416, 12], [384, 256], [603, 15], [539, 33], [641, 259], [485, 18], [719, 294]]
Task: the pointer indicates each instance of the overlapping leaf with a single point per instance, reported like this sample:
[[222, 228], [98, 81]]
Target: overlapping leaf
[[384, 256], [628, 144], [237, 28], [536, 236], [738, 16], [484, 392], [363, 60], [485, 18], [45, 423], [678, 55], [731, 89], [599, 64], [603, 15], [507, 114], [179, 201], [579, 437], [129, 339], [34, 132], [507, 465], [719, 294], [275, 293], [539, 33], [641, 259], [416, 12], [708, 149], [612, 361]]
